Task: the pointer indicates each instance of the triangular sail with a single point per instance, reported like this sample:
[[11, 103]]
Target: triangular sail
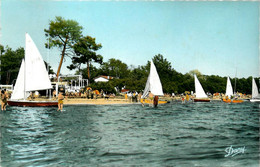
[[255, 94], [198, 89], [229, 89], [36, 75], [32, 74], [153, 83], [18, 92]]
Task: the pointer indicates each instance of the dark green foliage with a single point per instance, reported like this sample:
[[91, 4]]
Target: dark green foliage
[[85, 50], [107, 87], [50, 69], [10, 64], [63, 34], [94, 72], [172, 81], [115, 68]]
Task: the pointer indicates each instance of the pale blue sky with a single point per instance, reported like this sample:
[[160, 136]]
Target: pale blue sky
[[213, 37]]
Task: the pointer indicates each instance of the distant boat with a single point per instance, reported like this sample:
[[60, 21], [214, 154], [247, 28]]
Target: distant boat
[[199, 91], [154, 85], [229, 94], [229, 88], [32, 76], [255, 93]]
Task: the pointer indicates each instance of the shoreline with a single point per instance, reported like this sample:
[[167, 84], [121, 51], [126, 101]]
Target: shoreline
[[118, 101], [80, 101], [114, 101]]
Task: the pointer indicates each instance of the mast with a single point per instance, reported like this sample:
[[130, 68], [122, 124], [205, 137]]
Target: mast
[[235, 83], [24, 92], [0, 35], [48, 54], [259, 46]]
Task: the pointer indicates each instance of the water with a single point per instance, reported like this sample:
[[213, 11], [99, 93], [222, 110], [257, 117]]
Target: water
[[174, 134]]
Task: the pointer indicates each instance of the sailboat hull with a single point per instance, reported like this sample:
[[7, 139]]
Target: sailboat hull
[[255, 100], [201, 100], [233, 101], [26, 103], [146, 101]]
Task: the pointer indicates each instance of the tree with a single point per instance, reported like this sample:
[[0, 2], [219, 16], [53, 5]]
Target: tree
[[10, 64], [115, 68], [2, 50], [63, 34], [197, 72], [94, 72], [163, 67], [48, 66], [139, 73], [85, 50]]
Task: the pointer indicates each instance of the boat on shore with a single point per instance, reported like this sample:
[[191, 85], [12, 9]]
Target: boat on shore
[[255, 93], [32, 76], [154, 86], [199, 92]]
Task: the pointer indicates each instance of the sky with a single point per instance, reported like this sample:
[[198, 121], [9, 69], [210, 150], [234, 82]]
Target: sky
[[217, 38]]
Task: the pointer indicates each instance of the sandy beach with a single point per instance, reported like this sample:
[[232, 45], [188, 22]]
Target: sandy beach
[[83, 101], [110, 101]]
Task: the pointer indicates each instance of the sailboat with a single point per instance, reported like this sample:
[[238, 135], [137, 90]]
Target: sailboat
[[229, 88], [153, 85], [32, 76], [199, 91], [229, 94], [255, 93]]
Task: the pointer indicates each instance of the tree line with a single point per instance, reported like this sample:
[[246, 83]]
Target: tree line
[[134, 78], [67, 36]]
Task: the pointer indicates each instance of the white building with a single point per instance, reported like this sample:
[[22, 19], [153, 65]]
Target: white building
[[103, 78]]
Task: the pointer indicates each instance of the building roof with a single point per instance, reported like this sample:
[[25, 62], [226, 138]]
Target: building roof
[[104, 76]]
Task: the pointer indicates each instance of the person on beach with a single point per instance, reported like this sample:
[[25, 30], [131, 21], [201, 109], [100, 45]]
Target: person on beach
[[139, 97], [187, 97], [182, 99], [102, 93], [126, 96], [60, 101], [54, 95], [66, 95], [4, 97], [36, 94]]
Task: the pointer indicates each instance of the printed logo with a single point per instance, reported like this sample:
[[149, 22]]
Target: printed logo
[[234, 151]]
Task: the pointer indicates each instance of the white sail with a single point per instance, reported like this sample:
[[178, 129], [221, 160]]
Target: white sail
[[198, 89], [36, 75], [153, 83], [255, 93], [32, 74], [229, 89], [18, 92]]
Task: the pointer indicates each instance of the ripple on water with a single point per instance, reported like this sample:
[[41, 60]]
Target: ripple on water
[[175, 134]]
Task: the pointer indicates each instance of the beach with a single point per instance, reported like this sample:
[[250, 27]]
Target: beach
[[121, 100], [114, 100], [101, 101]]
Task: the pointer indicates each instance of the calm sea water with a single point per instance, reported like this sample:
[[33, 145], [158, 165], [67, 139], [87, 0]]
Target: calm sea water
[[174, 134]]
